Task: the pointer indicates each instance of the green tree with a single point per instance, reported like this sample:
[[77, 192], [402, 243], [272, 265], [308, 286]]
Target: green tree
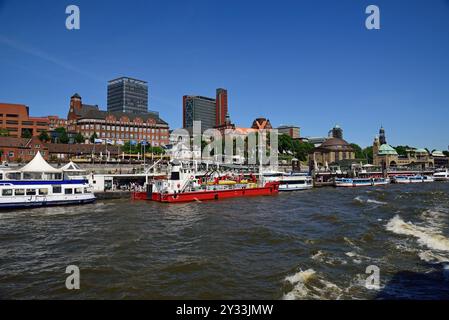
[[402, 150], [358, 151], [44, 137], [368, 154], [93, 137], [62, 136], [446, 153], [4, 132], [26, 134], [79, 138]]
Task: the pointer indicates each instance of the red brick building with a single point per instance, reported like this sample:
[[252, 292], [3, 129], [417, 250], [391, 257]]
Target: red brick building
[[116, 127], [14, 149], [15, 118]]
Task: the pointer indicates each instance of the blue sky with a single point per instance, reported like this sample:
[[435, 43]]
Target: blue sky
[[309, 63]]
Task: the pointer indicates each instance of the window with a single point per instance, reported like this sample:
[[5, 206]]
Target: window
[[86, 190], [68, 191], [78, 190], [11, 154], [56, 189], [19, 192], [43, 191], [7, 192], [31, 192]]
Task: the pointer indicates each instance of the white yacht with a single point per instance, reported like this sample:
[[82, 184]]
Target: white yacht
[[39, 184], [441, 175], [290, 181]]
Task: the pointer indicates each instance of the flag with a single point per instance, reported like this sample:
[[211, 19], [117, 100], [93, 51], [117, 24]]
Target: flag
[[98, 141], [120, 142], [144, 142]]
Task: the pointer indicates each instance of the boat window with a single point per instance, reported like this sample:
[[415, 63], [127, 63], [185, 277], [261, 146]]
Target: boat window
[[86, 190], [57, 189], [13, 175], [7, 192], [174, 176], [43, 191], [19, 192], [68, 191], [78, 190], [31, 192], [32, 176], [1, 176]]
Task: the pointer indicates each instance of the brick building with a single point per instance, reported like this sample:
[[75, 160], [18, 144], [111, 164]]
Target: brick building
[[13, 149], [15, 118], [116, 127]]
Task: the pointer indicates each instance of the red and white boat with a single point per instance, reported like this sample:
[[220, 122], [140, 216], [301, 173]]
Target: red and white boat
[[185, 185]]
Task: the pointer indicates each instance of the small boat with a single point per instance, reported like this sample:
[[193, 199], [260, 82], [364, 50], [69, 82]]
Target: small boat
[[183, 185], [361, 182], [441, 175], [38, 184], [401, 180], [290, 181]]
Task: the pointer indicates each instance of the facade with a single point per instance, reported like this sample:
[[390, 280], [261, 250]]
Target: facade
[[221, 106], [13, 149], [127, 95], [211, 112], [332, 151], [440, 160], [291, 131], [116, 127], [199, 108], [15, 118], [56, 122], [386, 156]]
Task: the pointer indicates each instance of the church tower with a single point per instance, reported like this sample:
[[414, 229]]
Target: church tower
[[382, 137], [376, 146]]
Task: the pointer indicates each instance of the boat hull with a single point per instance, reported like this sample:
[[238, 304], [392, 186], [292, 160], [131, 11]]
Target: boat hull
[[268, 190], [37, 204]]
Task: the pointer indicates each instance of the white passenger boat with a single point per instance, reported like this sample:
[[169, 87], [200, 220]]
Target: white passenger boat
[[38, 184], [412, 179], [441, 175], [360, 182], [290, 181]]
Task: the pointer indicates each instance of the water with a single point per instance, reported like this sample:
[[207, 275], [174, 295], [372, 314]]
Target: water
[[314, 244]]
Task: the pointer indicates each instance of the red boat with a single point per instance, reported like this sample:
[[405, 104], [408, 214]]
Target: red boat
[[184, 186]]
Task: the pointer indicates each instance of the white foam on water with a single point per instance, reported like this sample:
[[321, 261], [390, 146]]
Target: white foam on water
[[426, 236], [361, 200], [322, 257], [304, 289], [429, 256]]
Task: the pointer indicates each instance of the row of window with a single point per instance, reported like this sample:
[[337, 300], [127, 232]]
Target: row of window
[[42, 191], [25, 123], [11, 154], [123, 129]]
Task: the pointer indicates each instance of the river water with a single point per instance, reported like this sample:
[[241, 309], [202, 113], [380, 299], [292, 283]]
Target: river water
[[314, 244]]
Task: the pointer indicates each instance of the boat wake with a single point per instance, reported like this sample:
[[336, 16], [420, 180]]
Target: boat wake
[[362, 200]]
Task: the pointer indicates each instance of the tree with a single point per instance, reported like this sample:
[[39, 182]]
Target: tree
[[368, 154], [44, 137], [358, 151], [1, 154], [26, 134], [4, 132], [79, 138], [62, 136], [93, 137], [402, 150], [446, 153]]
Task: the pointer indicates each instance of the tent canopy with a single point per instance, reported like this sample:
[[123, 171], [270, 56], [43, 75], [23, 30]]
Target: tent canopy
[[38, 164], [71, 166]]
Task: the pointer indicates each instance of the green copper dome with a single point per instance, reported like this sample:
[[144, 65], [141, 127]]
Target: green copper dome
[[386, 149]]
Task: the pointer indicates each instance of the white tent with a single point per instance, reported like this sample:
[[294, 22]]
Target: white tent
[[38, 164], [71, 166]]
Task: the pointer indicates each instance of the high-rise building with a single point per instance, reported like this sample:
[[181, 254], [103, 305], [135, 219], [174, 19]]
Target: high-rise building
[[127, 95], [199, 108], [221, 103]]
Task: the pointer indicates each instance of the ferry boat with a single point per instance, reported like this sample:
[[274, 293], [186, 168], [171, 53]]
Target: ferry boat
[[360, 182], [412, 179], [441, 175], [38, 184], [290, 181], [183, 185]]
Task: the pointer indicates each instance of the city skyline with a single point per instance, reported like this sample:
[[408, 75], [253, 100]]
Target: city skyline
[[294, 64]]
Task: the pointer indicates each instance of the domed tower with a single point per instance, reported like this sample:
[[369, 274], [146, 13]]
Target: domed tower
[[382, 137]]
